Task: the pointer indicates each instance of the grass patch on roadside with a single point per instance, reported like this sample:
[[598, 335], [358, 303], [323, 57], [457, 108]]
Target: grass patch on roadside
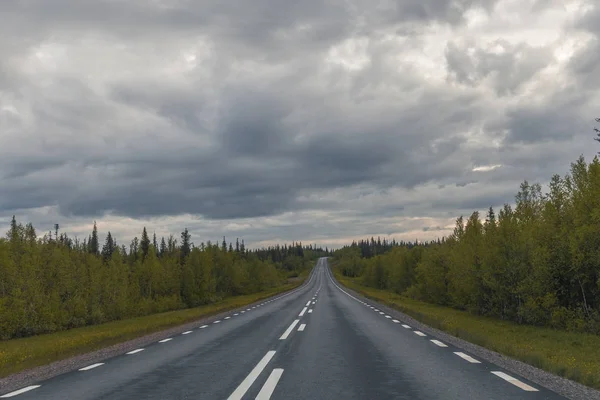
[[20, 354], [573, 355]]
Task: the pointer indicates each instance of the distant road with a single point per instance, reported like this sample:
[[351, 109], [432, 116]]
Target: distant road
[[317, 342]]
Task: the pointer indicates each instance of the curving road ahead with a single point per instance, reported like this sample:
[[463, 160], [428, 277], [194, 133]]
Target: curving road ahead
[[317, 342]]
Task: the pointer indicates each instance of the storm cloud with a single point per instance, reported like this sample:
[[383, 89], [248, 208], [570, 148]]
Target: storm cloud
[[279, 120]]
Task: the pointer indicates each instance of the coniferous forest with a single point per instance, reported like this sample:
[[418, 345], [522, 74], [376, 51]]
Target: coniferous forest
[[535, 263], [56, 283]]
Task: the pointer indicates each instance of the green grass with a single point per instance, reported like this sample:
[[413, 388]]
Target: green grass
[[20, 354], [573, 355]]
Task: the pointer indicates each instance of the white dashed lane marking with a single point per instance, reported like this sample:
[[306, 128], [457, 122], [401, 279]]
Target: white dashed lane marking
[[387, 316], [165, 340], [91, 367], [467, 357], [395, 321], [437, 342], [269, 386], [204, 326], [20, 391], [302, 312], [310, 311], [302, 326], [186, 333], [241, 390], [216, 322], [227, 317], [419, 333], [514, 381], [135, 351], [406, 326], [289, 330]]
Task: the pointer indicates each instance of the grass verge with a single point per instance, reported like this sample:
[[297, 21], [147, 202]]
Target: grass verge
[[573, 355], [21, 354]]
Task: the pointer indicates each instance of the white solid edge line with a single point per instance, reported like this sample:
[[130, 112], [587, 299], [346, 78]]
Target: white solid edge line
[[135, 351], [289, 330], [514, 381], [165, 340], [18, 392], [437, 342], [90, 367], [310, 311], [420, 333], [186, 333], [302, 312], [269, 386], [204, 326], [302, 326], [406, 326], [467, 357], [241, 390]]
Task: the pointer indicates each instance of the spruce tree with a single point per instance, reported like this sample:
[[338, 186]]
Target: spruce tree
[[163, 247], [185, 245], [145, 244], [108, 248], [93, 243]]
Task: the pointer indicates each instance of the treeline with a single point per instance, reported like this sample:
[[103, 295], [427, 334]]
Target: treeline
[[55, 283], [537, 263]]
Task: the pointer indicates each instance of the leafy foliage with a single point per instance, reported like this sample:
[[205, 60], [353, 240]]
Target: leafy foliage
[[536, 263], [52, 284]]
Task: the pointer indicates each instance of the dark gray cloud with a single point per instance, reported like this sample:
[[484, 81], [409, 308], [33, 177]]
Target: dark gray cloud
[[275, 119]]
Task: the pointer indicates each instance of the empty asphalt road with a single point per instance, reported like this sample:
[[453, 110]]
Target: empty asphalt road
[[317, 342]]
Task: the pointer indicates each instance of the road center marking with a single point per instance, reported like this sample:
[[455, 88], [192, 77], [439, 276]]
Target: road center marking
[[514, 381], [269, 386], [289, 330], [241, 390]]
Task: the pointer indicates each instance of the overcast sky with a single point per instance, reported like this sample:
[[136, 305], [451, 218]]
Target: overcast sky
[[280, 120]]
